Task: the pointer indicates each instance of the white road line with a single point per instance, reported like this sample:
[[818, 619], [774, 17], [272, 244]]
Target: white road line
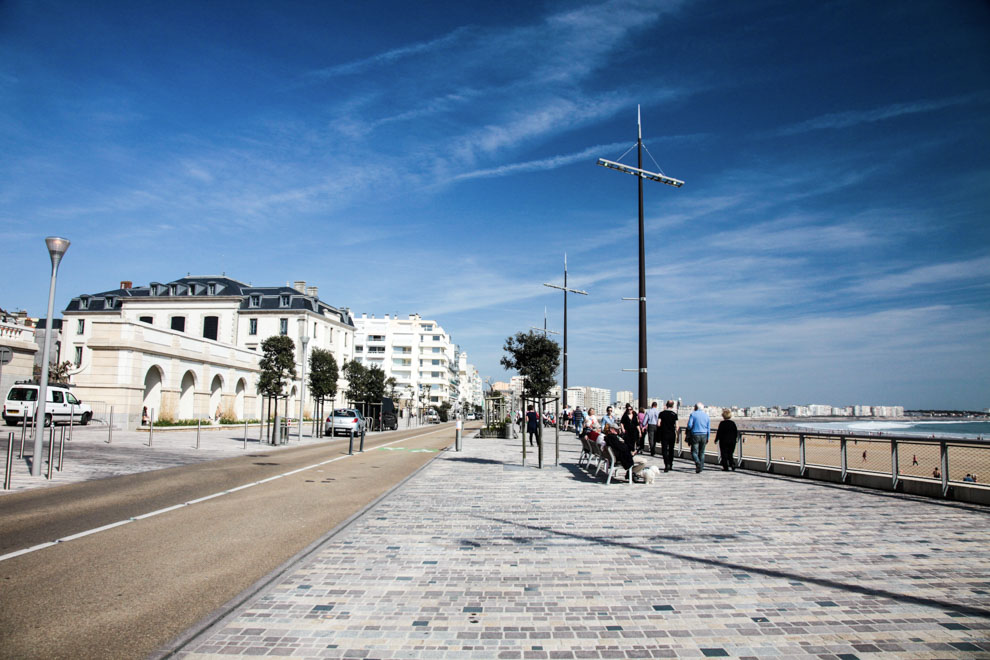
[[143, 516]]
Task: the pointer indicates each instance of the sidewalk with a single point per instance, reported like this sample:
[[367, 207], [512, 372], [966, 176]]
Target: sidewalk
[[89, 455], [478, 557]]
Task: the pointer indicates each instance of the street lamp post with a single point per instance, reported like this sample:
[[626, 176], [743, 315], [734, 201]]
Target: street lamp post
[[56, 248], [563, 391], [641, 174], [304, 338]]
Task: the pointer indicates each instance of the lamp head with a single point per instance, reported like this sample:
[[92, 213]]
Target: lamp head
[[56, 248]]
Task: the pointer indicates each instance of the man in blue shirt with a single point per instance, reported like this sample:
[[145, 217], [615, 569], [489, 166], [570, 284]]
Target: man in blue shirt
[[698, 428], [651, 420], [609, 419]]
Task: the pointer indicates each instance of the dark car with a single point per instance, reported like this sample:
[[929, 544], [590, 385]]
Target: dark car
[[390, 418]]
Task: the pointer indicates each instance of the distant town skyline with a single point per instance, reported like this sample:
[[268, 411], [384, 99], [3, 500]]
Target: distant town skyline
[[829, 245]]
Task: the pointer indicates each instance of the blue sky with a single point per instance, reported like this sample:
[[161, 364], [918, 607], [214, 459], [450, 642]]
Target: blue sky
[[830, 244]]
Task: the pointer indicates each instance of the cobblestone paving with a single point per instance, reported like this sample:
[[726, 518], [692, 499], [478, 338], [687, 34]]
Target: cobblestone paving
[[478, 557]]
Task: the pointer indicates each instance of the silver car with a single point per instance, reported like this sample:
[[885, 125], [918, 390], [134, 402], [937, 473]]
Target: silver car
[[343, 420]]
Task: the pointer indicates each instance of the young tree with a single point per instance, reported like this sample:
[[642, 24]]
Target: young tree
[[391, 388], [444, 411], [355, 373], [323, 374], [278, 365], [536, 357]]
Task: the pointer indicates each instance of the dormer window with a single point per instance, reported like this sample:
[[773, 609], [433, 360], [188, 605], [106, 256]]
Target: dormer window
[[84, 302], [255, 300], [211, 289], [283, 300], [171, 289], [109, 302]]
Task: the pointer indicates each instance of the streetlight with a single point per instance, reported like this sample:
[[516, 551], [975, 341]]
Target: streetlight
[[641, 174], [56, 248], [304, 338], [563, 392]]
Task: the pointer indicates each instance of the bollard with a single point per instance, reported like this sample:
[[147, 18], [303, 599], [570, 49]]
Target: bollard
[[276, 423], [350, 447], [151, 428], [61, 448], [20, 452], [10, 460], [261, 432], [51, 448], [457, 436], [70, 429], [110, 427], [199, 424], [245, 434], [362, 441]]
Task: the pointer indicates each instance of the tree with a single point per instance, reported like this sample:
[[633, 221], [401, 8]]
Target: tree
[[278, 365], [390, 387], [536, 357], [323, 374], [364, 384], [444, 411]]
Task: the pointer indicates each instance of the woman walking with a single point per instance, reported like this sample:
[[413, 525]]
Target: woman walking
[[725, 438]]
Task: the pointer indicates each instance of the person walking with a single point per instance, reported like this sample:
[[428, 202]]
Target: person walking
[[668, 435], [652, 420], [725, 438], [699, 427], [630, 429], [532, 424], [578, 420]]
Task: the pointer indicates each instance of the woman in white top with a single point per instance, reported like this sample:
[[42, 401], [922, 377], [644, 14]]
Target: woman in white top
[[590, 421]]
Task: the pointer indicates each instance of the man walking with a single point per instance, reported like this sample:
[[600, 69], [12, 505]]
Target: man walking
[[578, 420], [668, 435], [651, 420], [698, 426]]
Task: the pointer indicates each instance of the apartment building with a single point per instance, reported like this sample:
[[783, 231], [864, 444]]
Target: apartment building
[[417, 352], [191, 347]]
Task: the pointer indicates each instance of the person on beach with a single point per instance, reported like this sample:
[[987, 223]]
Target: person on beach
[[651, 419], [699, 427], [532, 424], [668, 435], [864, 455], [725, 438], [630, 427], [914, 460]]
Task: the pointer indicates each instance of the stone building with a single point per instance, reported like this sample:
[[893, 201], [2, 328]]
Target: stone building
[[190, 348]]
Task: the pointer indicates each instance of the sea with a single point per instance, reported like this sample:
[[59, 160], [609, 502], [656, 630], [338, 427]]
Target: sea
[[922, 427]]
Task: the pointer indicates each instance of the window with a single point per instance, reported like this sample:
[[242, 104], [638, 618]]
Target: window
[[57, 396], [78, 360], [376, 349], [252, 326], [427, 328], [436, 349], [359, 349], [283, 301], [211, 289], [147, 319], [376, 337], [255, 300], [84, 302], [210, 326], [434, 374], [80, 326], [436, 337], [71, 399], [179, 323], [283, 326], [314, 329], [435, 362], [108, 302]]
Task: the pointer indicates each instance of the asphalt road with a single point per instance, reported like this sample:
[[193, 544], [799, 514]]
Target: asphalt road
[[126, 591]]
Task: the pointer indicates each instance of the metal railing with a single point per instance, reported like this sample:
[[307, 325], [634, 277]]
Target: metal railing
[[935, 460]]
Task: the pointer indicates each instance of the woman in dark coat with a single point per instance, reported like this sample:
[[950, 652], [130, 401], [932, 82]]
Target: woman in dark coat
[[725, 438], [532, 424], [630, 429]]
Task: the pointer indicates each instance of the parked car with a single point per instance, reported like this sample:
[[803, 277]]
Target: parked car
[[432, 417], [390, 417], [22, 400], [343, 420]]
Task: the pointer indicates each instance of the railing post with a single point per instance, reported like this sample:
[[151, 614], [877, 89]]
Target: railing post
[[769, 454], [199, 424], [801, 448], [844, 459], [10, 460], [739, 448], [20, 451], [350, 446], [362, 441], [894, 465], [556, 416], [61, 447], [70, 427], [944, 455]]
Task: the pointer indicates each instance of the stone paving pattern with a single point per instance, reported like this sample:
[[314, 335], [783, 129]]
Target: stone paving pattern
[[479, 557]]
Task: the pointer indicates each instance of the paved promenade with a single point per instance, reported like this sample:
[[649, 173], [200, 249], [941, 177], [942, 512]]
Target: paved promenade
[[478, 557]]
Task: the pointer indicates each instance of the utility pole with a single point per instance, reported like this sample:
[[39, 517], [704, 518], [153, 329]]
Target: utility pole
[[563, 391], [641, 174]]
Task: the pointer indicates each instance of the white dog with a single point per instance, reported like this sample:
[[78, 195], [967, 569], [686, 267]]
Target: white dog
[[650, 474]]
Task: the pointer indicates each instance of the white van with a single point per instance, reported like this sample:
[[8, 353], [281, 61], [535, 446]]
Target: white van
[[23, 397]]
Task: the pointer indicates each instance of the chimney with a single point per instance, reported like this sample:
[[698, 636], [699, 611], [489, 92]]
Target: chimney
[[300, 286], [126, 284], [313, 291]]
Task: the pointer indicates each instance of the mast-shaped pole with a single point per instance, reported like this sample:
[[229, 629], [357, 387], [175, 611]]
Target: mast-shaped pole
[[563, 392], [643, 385]]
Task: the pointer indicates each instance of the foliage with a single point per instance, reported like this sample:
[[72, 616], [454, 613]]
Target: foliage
[[390, 388], [278, 364], [323, 374], [444, 411], [364, 384], [536, 357]]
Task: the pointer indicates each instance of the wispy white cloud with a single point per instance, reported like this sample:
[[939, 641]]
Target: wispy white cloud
[[589, 154], [892, 111], [929, 276], [391, 56]]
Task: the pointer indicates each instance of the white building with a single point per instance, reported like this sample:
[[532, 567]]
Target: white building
[[191, 348], [18, 339], [590, 397], [417, 352], [622, 397], [471, 388]]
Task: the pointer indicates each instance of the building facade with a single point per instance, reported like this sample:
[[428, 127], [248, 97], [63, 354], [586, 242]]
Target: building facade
[[190, 348]]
